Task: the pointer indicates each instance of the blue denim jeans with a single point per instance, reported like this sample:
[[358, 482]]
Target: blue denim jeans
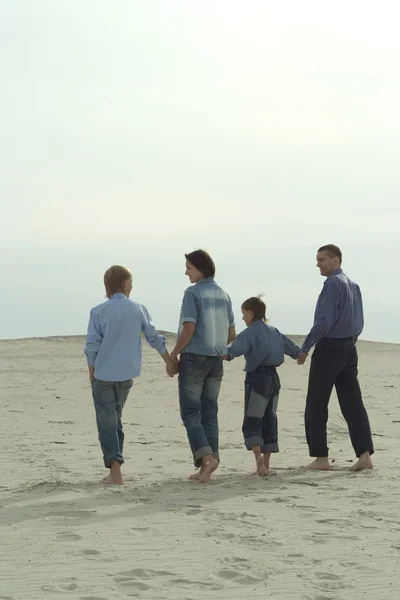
[[199, 384], [261, 395], [109, 399]]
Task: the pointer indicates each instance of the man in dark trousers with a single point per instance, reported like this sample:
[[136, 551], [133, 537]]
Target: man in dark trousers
[[338, 322]]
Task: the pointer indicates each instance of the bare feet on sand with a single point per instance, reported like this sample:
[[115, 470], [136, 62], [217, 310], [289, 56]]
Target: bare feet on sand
[[262, 470], [196, 475], [207, 469], [115, 476], [364, 462], [319, 464]]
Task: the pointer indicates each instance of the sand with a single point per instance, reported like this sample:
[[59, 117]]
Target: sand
[[299, 535]]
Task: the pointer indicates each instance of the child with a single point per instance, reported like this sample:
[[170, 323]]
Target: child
[[264, 348], [114, 355]]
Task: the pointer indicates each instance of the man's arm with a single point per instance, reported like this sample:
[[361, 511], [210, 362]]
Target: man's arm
[[326, 315], [94, 338]]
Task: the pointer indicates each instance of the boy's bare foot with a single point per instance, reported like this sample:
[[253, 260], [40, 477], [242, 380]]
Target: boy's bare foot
[[262, 471], [364, 462], [207, 470], [319, 464]]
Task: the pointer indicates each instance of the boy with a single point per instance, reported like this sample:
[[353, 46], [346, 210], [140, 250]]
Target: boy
[[114, 355], [264, 348]]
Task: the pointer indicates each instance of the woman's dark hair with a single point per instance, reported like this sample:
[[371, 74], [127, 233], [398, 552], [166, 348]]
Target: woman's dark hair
[[257, 306], [202, 261]]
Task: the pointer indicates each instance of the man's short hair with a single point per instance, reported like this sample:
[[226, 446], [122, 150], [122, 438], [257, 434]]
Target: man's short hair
[[332, 250], [202, 261], [114, 277]]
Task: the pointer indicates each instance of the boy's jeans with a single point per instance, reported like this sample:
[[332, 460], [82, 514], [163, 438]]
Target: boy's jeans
[[261, 395], [109, 399], [199, 384]]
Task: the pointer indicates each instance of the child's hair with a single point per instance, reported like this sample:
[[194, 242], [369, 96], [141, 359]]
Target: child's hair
[[257, 306], [202, 261], [114, 277]]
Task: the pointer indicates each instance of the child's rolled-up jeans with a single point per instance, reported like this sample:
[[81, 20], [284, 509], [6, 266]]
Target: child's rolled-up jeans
[[261, 395], [109, 400]]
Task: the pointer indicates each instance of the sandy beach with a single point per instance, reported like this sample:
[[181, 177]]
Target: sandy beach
[[297, 536]]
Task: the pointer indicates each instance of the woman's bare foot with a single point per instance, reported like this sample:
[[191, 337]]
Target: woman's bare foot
[[106, 478], [319, 464], [262, 471], [364, 462], [207, 469], [267, 456]]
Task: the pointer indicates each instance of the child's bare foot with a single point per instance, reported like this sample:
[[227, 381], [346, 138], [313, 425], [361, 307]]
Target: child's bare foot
[[261, 470], [364, 462], [319, 464], [207, 470]]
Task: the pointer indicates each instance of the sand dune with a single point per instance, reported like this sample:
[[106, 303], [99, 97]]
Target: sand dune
[[299, 535]]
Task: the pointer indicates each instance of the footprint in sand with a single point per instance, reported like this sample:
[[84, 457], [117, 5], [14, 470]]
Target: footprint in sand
[[65, 536], [64, 586], [238, 571], [137, 578], [90, 552]]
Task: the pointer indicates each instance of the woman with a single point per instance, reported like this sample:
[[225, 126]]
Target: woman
[[206, 328]]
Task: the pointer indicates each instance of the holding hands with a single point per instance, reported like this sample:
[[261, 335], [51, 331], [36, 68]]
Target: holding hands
[[172, 365], [301, 359]]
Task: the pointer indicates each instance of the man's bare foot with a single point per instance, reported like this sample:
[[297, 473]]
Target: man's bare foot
[[207, 470], [115, 477], [364, 462], [196, 475], [262, 471], [319, 464]]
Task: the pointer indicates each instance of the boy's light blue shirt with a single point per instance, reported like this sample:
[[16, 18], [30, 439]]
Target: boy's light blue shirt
[[207, 306], [113, 343], [262, 344]]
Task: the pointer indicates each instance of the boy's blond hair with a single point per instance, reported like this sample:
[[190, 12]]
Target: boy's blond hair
[[114, 277]]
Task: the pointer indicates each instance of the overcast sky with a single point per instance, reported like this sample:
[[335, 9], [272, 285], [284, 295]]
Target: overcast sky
[[135, 131]]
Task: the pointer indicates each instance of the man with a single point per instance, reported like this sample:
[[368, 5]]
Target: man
[[338, 322]]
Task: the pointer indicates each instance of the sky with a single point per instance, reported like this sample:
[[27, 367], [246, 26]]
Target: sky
[[133, 132]]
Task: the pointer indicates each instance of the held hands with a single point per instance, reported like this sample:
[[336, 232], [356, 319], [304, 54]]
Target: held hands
[[172, 365], [301, 359]]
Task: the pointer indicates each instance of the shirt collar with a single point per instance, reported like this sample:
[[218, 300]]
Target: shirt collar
[[336, 272], [118, 295], [205, 279]]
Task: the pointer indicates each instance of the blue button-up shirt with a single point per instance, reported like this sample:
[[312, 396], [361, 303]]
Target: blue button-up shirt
[[262, 344], [113, 343], [339, 311], [207, 306]]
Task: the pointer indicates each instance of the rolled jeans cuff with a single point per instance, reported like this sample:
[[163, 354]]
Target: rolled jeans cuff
[[254, 440], [204, 451], [270, 447]]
